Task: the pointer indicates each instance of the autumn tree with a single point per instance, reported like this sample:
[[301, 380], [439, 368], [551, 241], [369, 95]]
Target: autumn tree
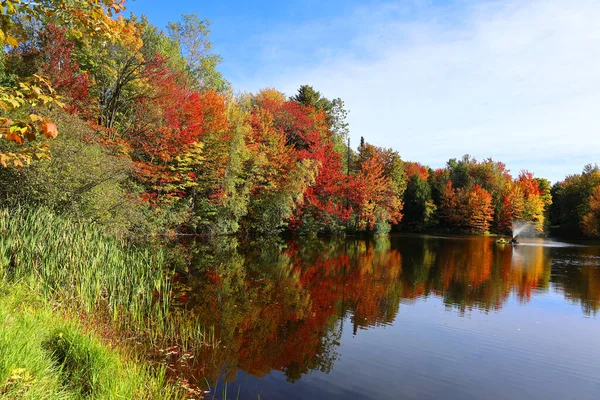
[[89, 17], [590, 222], [306, 130], [63, 70], [510, 209], [279, 179], [169, 119], [533, 203], [467, 209], [382, 186], [451, 207], [336, 118], [478, 210]]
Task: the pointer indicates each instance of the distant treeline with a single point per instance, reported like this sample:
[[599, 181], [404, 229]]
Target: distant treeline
[[151, 138]]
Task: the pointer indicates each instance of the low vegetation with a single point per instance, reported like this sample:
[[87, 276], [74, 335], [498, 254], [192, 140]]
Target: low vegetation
[[46, 355]]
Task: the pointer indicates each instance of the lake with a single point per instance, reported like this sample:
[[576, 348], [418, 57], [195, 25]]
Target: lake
[[403, 317]]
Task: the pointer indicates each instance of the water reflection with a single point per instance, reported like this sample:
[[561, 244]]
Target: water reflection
[[281, 306]]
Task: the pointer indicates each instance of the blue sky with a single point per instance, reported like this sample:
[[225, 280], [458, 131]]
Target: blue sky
[[515, 80]]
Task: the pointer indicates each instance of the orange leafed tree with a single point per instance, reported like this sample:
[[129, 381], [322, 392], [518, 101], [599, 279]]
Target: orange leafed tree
[[467, 209], [380, 200], [479, 210]]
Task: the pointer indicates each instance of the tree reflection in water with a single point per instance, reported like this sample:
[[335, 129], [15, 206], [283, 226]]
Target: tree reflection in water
[[278, 305]]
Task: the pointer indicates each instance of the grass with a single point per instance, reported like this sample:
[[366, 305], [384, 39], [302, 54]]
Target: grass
[[76, 262], [47, 356]]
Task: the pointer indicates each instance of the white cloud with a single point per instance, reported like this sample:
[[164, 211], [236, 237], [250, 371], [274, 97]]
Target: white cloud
[[517, 81]]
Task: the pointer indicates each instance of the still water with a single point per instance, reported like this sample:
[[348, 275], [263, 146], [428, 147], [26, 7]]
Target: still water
[[404, 317]]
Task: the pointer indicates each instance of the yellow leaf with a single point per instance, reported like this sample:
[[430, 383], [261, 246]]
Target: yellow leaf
[[14, 103], [12, 41], [36, 90]]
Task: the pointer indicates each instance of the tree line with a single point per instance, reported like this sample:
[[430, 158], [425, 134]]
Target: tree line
[[120, 123]]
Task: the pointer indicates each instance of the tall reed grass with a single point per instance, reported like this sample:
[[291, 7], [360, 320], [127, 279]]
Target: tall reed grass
[[78, 262]]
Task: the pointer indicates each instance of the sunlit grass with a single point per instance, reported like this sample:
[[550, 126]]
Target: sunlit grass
[[47, 356]]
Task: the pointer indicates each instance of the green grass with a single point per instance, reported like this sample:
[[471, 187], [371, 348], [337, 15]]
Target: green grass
[[48, 356]]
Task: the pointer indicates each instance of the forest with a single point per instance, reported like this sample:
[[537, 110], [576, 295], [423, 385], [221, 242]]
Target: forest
[[113, 121]]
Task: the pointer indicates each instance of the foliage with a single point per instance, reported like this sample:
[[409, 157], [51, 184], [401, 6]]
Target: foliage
[[467, 209], [90, 17], [192, 35], [62, 70], [84, 179], [533, 203], [590, 222], [381, 185], [181, 152]]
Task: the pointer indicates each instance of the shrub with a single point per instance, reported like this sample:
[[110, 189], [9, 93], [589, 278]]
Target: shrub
[[84, 179]]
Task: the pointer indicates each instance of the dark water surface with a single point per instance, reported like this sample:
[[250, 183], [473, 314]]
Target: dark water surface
[[404, 317]]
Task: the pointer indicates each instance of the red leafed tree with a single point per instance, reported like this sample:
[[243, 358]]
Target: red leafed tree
[[450, 207], [533, 202], [330, 193], [306, 130], [510, 209], [63, 70], [168, 120], [528, 184]]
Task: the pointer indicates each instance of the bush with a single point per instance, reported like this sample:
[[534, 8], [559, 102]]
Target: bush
[[84, 179]]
